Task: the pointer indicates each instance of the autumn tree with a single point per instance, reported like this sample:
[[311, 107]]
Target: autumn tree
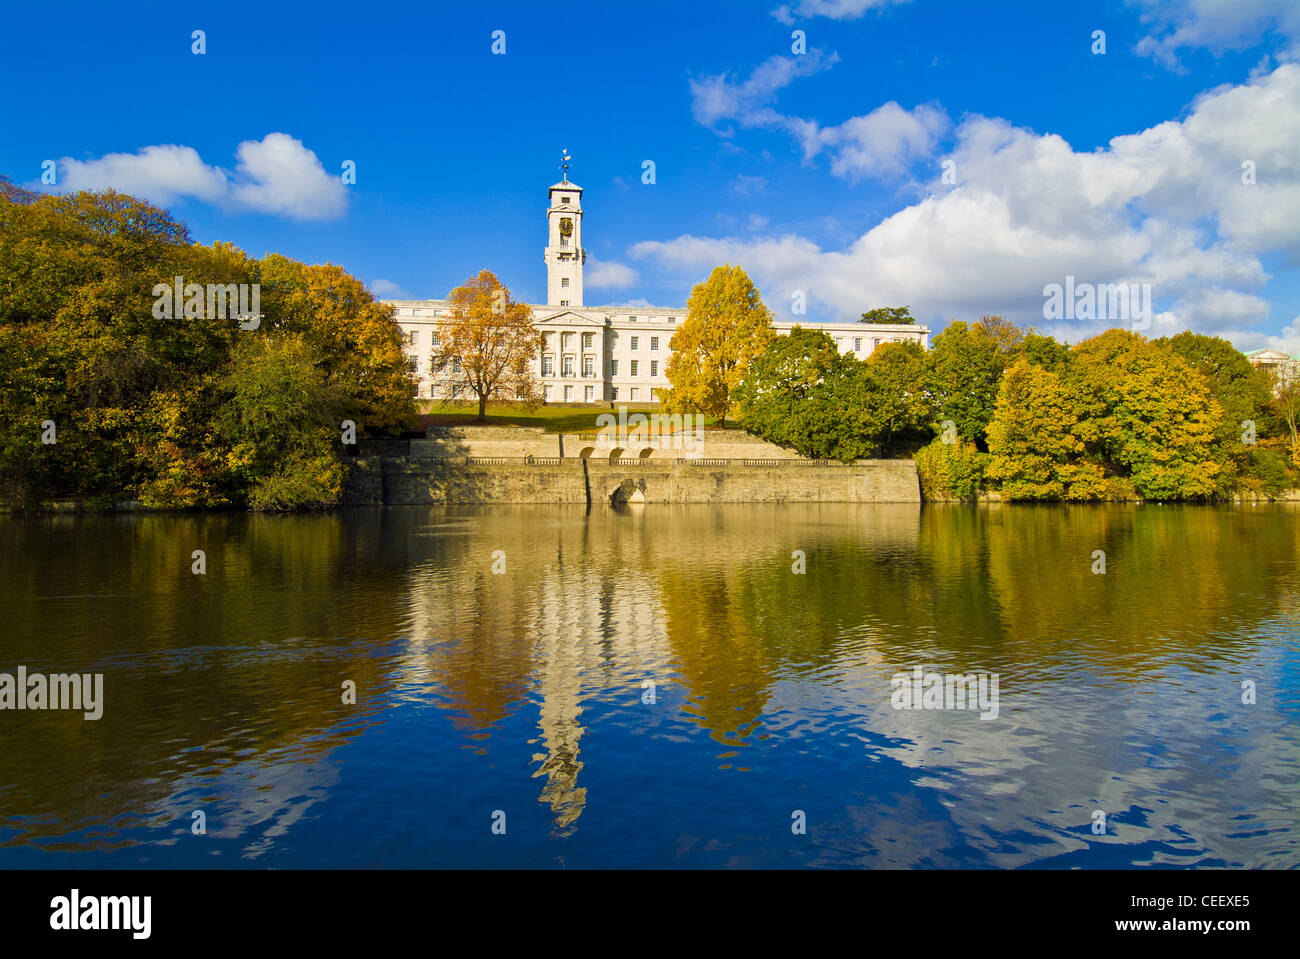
[[1035, 452], [138, 399], [1148, 415], [487, 343], [726, 327]]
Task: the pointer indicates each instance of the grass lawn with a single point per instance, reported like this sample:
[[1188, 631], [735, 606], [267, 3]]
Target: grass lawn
[[553, 417]]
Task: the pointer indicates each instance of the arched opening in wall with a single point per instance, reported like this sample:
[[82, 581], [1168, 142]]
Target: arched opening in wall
[[629, 492], [586, 452], [615, 453], [645, 453]]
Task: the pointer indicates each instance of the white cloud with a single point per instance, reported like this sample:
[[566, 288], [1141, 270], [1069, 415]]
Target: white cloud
[[387, 289], [747, 185], [833, 9], [882, 143], [1215, 25], [1289, 340], [608, 275], [274, 175], [160, 174], [715, 99], [1166, 206], [280, 175]]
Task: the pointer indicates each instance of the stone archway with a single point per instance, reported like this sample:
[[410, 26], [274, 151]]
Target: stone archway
[[586, 452], [645, 453], [615, 453], [630, 492]]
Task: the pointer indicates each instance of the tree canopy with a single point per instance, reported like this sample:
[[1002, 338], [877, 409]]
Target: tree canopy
[[487, 343], [103, 397], [726, 327]]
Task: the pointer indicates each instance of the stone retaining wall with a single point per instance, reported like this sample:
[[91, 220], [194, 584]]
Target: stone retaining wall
[[393, 482]]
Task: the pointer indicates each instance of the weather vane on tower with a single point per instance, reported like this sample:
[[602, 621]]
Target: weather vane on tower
[[565, 164]]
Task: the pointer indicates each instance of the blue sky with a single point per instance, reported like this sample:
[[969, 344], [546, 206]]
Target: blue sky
[[820, 172]]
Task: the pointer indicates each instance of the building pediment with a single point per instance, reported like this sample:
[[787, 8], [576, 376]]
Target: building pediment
[[568, 317]]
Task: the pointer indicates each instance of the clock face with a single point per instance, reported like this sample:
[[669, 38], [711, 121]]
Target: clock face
[[566, 226]]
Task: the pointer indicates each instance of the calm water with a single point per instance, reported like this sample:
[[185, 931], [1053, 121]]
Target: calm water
[[523, 691]]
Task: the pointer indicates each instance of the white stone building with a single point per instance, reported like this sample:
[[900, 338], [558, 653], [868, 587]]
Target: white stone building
[[600, 354]]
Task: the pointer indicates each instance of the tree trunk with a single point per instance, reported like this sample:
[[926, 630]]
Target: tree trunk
[[482, 407]]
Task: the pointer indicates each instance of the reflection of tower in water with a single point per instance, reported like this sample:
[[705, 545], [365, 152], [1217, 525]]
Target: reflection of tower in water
[[594, 628]]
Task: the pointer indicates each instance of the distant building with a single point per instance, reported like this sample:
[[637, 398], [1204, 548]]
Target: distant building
[[1283, 367], [607, 353]]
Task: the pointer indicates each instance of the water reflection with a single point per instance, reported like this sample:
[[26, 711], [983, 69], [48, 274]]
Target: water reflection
[[523, 690]]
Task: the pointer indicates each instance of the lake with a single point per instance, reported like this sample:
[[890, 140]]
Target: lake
[[695, 686]]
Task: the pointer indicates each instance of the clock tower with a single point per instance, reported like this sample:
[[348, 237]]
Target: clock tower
[[564, 253]]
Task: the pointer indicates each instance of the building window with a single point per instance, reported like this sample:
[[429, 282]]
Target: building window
[[564, 302], [566, 340], [654, 396], [634, 365], [588, 366], [568, 394], [587, 340], [547, 393], [857, 344], [636, 342], [590, 393], [455, 364], [413, 337], [654, 367], [568, 366], [614, 393], [564, 281], [631, 319], [613, 367], [548, 365], [635, 394], [875, 342], [413, 364], [654, 344]]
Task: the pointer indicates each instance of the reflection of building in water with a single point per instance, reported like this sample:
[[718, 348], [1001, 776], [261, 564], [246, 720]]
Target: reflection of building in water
[[565, 619]]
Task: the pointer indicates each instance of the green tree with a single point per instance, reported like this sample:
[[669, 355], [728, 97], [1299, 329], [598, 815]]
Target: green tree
[[898, 315], [281, 424], [726, 327], [901, 401], [966, 364]]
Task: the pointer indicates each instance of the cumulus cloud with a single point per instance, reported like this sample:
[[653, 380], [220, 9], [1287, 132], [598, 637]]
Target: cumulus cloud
[[276, 174], [1167, 206], [280, 175], [882, 143], [608, 275], [1215, 25], [161, 174]]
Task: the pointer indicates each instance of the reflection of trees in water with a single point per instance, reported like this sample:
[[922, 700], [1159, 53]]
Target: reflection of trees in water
[[205, 675], [201, 673]]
